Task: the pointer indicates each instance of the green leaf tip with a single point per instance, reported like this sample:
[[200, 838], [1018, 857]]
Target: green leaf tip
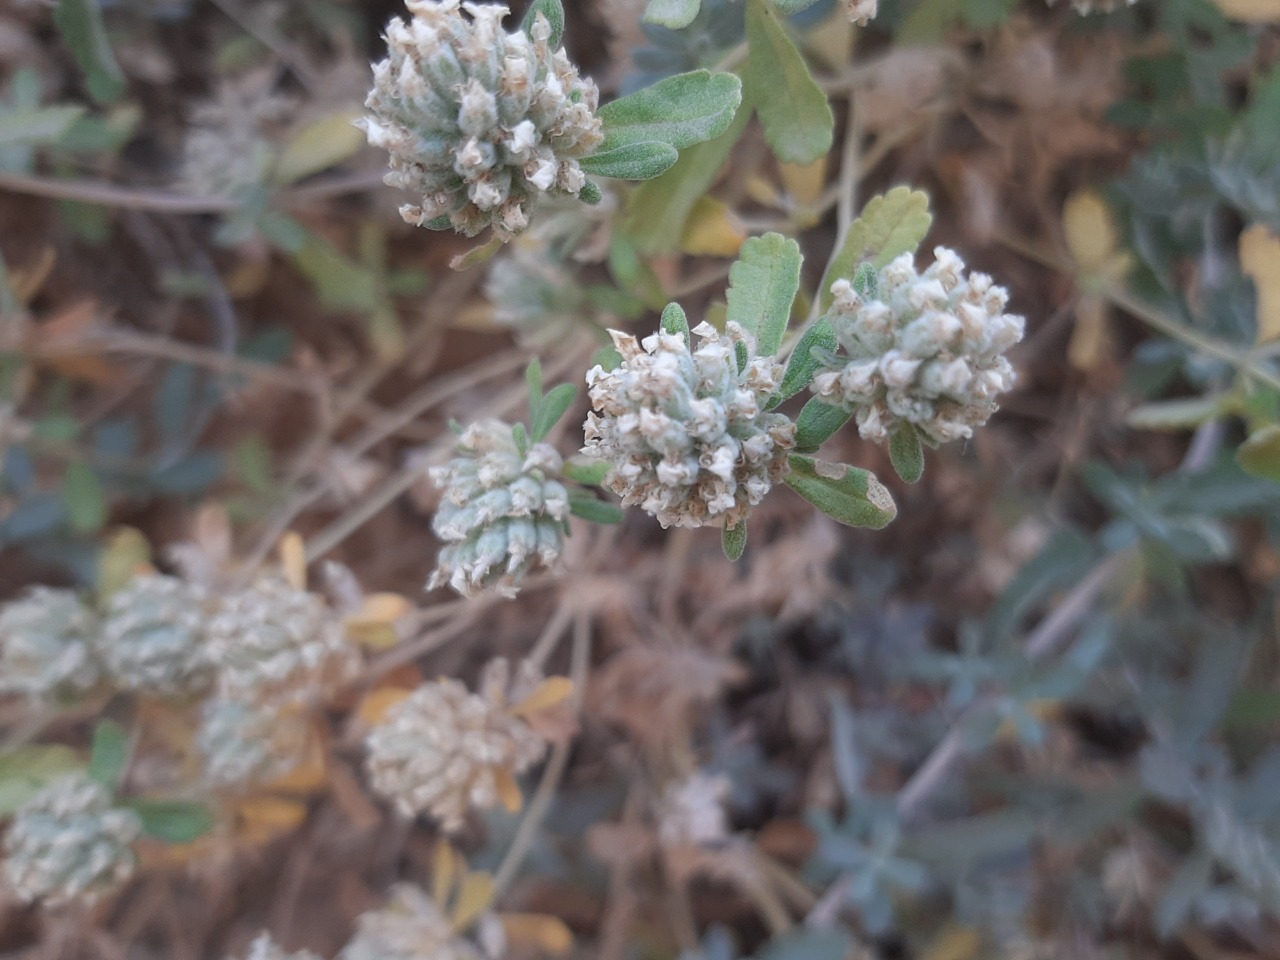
[[906, 452], [763, 283], [680, 111], [734, 541], [793, 109], [890, 225], [848, 495], [554, 12], [672, 14]]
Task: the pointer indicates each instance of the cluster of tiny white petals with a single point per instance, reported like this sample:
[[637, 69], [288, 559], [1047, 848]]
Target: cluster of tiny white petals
[[242, 744], [153, 638], [227, 150], [926, 349], [46, 646], [443, 749], [410, 927], [684, 429], [501, 512], [68, 842], [1084, 7], [265, 948], [692, 811], [274, 642], [861, 12], [479, 122]]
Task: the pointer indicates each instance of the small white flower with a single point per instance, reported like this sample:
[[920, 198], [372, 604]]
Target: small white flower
[[46, 649], [692, 811], [153, 638], [410, 927]]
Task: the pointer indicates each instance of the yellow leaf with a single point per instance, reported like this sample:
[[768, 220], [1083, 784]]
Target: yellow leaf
[[474, 898], [1090, 344], [537, 930], [311, 774], [1090, 231], [293, 559], [262, 818], [374, 707], [712, 230], [444, 871], [804, 183], [127, 552], [508, 789], [552, 692], [27, 281], [374, 625], [763, 192], [1260, 259], [954, 942], [1254, 11], [319, 146]]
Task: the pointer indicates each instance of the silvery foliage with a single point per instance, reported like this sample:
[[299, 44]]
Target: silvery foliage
[[244, 743], [444, 750], [274, 642], [503, 511], [68, 842], [46, 646], [925, 349], [479, 122], [153, 638], [265, 948], [410, 927], [683, 428]]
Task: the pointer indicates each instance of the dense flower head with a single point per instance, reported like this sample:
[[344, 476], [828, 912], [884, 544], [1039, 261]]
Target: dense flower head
[[46, 646], [692, 810], [265, 948], [242, 744], [480, 122], [502, 511], [861, 12], [153, 638], [444, 750], [274, 642], [410, 927], [924, 348], [684, 429], [68, 842]]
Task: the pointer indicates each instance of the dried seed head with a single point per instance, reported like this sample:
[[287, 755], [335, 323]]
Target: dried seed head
[[479, 122], [501, 513], [684, 431], [243, 744], [410, 927], [444, 750], [274, 642], [265, 948], [924, 348], [68, 842], [46, 647], [153, 637]]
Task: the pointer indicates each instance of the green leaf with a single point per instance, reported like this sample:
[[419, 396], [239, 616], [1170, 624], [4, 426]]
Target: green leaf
[[86, 504], [476, 255], [34, 127], [554, 12], [552, 408], [846, 494], [533, 384], [907, 453], [803, 364], [588, 507], [681, 111], [672, 14], [173, 821], [590, 193], [588, 474], [643, 160], [110, 753], [797, 118], [25, 770], [789, 7], [734, 541], [816, 423], [674, 320], [80, 22], [890, 225], [762, 286], [1260, 454], [657, 210]]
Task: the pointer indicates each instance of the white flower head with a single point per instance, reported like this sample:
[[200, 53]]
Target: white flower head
[[412, 926], [684, 429], [243, 744], [923, 348], [153, 638], [502, 513], [479, 123], [69, 843], [265, 948], [46, 646], [692, 811], [861, 12]]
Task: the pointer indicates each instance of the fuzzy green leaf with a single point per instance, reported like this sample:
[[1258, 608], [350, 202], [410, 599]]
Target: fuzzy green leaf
[[554, 12], [86, 503], [906, 452], [173, 821], [80, 22], [681, 111], [762, 286], [674, 320], [584, 505], [590, 193], [803, 364], [533, 386], [890, 225], [552, 408], [1260, 454], [643, 160], [816, 424], [797, 118], [25, 770], [587, 474], [846, 494], [734, 541], [109, 754], [476, 255], [672, 14]]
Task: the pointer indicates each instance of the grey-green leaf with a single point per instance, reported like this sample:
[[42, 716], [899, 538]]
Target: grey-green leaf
[[674, 320], [906, 452], [34, 127], [846, 494], [80, 22], [680, 111], [554, 12], [25, 770], [762, 286], [110, 753], [173, 821], [552, 408], [590, 508], [588, 474], [643, 160], [816, 424], [734, 541], [672, 14], [803, 364], [789, 7], [794, 111], [890, 225]]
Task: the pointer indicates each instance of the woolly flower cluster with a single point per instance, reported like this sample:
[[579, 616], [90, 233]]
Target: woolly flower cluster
[[46, 646], [479, 122], [501, 513], [153, 637], [692, 811], [443, 749], [68, 842], [1101, 6], [684, 429], [411, 927], [925, 349], [265, 948], [861, 12]]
